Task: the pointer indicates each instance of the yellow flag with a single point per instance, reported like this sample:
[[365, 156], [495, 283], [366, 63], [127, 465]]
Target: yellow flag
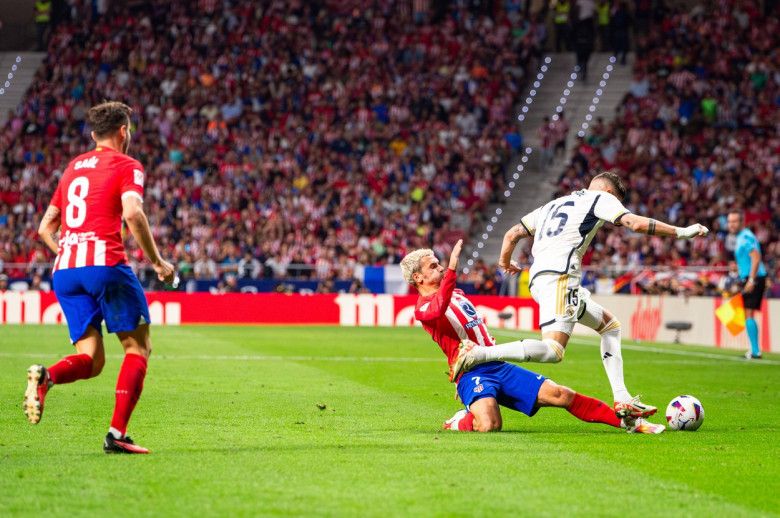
[[732, 314]]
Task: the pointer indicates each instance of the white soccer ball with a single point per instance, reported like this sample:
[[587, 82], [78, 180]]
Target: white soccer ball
[[685, 413]]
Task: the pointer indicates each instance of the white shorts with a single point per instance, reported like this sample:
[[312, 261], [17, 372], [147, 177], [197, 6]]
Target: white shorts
[[562, 301]]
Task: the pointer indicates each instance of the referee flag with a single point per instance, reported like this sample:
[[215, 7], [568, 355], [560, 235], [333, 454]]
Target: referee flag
[[732, 314]]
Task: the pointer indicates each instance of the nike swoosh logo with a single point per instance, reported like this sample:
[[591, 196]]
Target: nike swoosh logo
[[539, 377]]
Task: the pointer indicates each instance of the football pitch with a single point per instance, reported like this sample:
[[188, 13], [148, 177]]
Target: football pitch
[[328, 421]]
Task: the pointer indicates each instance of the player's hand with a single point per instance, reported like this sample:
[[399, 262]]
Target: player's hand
[[511, 269], [749, 285], [165, 271], [453, 264], [694, 230]]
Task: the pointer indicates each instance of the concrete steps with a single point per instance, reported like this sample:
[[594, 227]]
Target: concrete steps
[[26, 65], [532, 186]]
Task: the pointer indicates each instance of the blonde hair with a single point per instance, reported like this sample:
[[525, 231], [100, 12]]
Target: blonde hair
[[411, 264]]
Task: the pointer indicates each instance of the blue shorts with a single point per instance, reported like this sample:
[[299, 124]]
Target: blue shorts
[[91, 294], [512, 386]]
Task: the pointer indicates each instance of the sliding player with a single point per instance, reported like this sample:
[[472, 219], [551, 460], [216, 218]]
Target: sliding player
[[450, 318], [562, 231]]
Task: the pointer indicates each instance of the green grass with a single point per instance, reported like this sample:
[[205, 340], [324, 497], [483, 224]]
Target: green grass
[[244, 436]]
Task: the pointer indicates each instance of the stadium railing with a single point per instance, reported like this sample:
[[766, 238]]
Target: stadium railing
[[612, 279]]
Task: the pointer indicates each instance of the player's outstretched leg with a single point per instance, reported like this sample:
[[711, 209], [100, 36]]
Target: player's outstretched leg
[[38, 384], [590, 410], [471, 354]]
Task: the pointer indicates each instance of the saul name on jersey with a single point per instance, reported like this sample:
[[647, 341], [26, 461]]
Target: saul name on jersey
[[89, 196]]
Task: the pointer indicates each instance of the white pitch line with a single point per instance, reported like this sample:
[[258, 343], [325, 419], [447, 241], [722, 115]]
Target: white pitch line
[[302, 358], [661, 351], [380, 359], [251, 358]]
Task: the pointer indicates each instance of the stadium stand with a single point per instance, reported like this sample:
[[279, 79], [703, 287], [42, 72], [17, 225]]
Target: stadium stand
[[695, 136], [310, 137], [302, 139]]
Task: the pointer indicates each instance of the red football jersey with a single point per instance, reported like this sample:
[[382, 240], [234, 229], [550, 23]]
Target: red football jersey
[[450, 317], [89, 197]]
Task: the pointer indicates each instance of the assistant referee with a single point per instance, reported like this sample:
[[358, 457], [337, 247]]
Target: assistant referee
[[752, 273]]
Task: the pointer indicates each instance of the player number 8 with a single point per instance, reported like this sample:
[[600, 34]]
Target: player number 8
[[76, 211]]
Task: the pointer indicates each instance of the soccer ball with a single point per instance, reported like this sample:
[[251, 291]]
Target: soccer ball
[[685, 413]]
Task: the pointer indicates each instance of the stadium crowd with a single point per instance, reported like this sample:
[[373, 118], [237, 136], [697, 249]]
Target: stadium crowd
[[299, 139], [280, 138], [696, 136]]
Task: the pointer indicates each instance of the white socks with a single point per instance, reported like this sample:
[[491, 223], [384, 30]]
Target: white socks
[[613, 359], [545, 351], [116, 434]]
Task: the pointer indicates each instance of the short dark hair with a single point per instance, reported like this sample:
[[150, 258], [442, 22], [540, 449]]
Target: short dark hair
[[737, 212], [106, 118], [617, 183]]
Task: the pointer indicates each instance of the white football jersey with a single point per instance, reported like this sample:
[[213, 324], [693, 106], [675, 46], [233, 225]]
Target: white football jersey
[[564, 228]]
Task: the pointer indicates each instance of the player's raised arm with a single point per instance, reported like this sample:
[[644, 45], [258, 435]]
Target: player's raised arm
[[609, 208], [133, 214], [422, 270], [431, 281], [455, 256], [652, 227], [511, 238]]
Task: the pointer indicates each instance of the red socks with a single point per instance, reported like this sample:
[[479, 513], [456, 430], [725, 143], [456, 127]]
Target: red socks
[[128, 390], [71, 368], [467, 423], [593, 411]]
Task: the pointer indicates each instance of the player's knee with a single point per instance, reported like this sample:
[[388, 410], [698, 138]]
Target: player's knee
[[141, 347], [98, 362], [552, 394], [564, 396], [613, 327], [556, 353], [487, 424], [145, 351]]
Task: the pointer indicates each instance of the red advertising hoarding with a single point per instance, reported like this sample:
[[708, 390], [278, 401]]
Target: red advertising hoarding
[[173, 308]]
